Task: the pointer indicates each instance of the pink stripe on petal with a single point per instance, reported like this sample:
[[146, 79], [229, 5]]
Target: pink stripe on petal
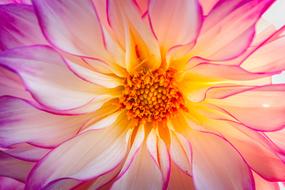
[[207, 5], [175, 22], [84, 157], [19, 27], [72, 26], [217, 165]]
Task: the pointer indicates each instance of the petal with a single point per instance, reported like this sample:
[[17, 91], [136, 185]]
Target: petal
[[179, 179], [207, 5], [27, 152], [180, 152], [20, 122], [183, 15], [134, 34], [7, 183], [260, 108], [19, 26], [63, 184], [217, 165], [14, 168], [142, 174], [277, 137], [261, 184], [93, 153], [72, 26], [267, 58], [229, 28], [43, 71], [254, 148]]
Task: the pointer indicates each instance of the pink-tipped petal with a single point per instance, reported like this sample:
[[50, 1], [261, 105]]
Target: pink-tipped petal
[[86, 156], [254, 148], [267, 58], [7, 183], [260, 108], [72, 26], [14, 168], [21, 122], [217, 165], [42, 71], [19, 27], [179, 179], [175, 22], [229, 28], [143, 173]]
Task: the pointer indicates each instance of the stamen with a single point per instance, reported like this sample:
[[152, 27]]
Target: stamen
[[151, 95]]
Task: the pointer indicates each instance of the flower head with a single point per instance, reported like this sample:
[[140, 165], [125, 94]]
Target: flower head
[[137, 94]]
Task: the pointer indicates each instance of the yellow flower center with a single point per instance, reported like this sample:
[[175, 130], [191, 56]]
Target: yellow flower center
[[151, 95]]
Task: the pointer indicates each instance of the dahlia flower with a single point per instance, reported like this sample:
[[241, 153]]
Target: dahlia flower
[[138, 94]]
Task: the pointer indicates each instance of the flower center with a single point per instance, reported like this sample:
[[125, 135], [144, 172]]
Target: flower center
[[151, 95]]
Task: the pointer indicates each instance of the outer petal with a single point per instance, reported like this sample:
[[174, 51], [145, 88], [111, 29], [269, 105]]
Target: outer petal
[[267, 58], [260, 108], [71, 26], [217, 165], [20, 122], [19, 26], [14, 168], [175, 22], [93, 153], [43, 71], [7, 183], [229, 28], [254, 148]]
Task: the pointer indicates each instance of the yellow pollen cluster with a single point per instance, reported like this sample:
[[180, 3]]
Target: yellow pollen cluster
[[151, 95]]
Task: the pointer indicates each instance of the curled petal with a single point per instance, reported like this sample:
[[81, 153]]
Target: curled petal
[[19, 26]]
